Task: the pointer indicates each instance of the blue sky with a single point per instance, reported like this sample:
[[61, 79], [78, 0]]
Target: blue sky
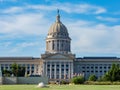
[[93, 25]]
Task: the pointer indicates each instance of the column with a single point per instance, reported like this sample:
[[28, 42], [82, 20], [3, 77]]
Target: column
[[8, 66], [55, 44], [55, 71], [35, 69], [94, 69], [69, 70], [46, 69], [98, 70], [64, 70], [60, 71], [26, 70], [4, 67], [58, 49], [59, 45], [30, 69], [50, 70]]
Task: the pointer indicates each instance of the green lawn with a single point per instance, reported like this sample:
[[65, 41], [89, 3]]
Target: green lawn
[[61, 87]]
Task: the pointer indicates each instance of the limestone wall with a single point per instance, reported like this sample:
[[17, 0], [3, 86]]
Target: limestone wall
[[1, 80], [24, 80], [9, 80], [32, 80]]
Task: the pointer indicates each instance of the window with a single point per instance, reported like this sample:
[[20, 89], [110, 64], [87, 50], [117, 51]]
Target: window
[[52, 69], [105, 71], [57, 44], [67, 65], [2, 68], [32, 71], [57, 65], [96, 67], [83, 67], [52, 65], [48, 70], [91, 67], [32, 66], [87, 67], [66, 69], [48, 65], [83, 71], [62, 77], [28, 67], [6, 67], [52, 76], [53, 45], [57, 77], [91, 71], [27, 72], [62, 65]]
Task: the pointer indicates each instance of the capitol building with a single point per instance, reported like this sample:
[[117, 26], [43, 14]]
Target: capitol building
[[58, 62]]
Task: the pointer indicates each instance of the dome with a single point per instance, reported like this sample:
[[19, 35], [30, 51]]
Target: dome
[[58, 40], [58, 29]]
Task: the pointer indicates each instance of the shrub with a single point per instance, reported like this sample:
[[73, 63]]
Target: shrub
[[113, 74], [97, 83], [78, 80], [64, 82], [116, 83], [92, 78]]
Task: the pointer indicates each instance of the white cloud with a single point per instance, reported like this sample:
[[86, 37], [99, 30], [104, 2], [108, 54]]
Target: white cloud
[[27, 44], [14, 9], [100, 10], [23, 46], [24, 24], [5, 44], [94, 38], [67, 7], [109, 19]]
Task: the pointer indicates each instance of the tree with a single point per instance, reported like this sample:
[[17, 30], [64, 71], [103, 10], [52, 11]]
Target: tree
[[14, 69], [21, 71], [78, 80], [6, 73], [113, 74], [18, 70], [92, 78]]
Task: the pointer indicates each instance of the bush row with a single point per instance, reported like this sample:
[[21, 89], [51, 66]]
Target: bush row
[[101, 83]]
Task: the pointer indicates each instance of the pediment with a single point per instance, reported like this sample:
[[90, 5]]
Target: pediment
[[58, 56]]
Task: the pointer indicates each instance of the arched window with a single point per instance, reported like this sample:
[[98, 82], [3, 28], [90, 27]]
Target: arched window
[[53, 45]]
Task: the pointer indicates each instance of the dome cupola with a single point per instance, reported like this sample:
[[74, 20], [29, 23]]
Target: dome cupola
[[58, 29], [58, 40]]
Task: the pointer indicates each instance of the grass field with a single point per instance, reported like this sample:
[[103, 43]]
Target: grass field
[[61, 87]]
